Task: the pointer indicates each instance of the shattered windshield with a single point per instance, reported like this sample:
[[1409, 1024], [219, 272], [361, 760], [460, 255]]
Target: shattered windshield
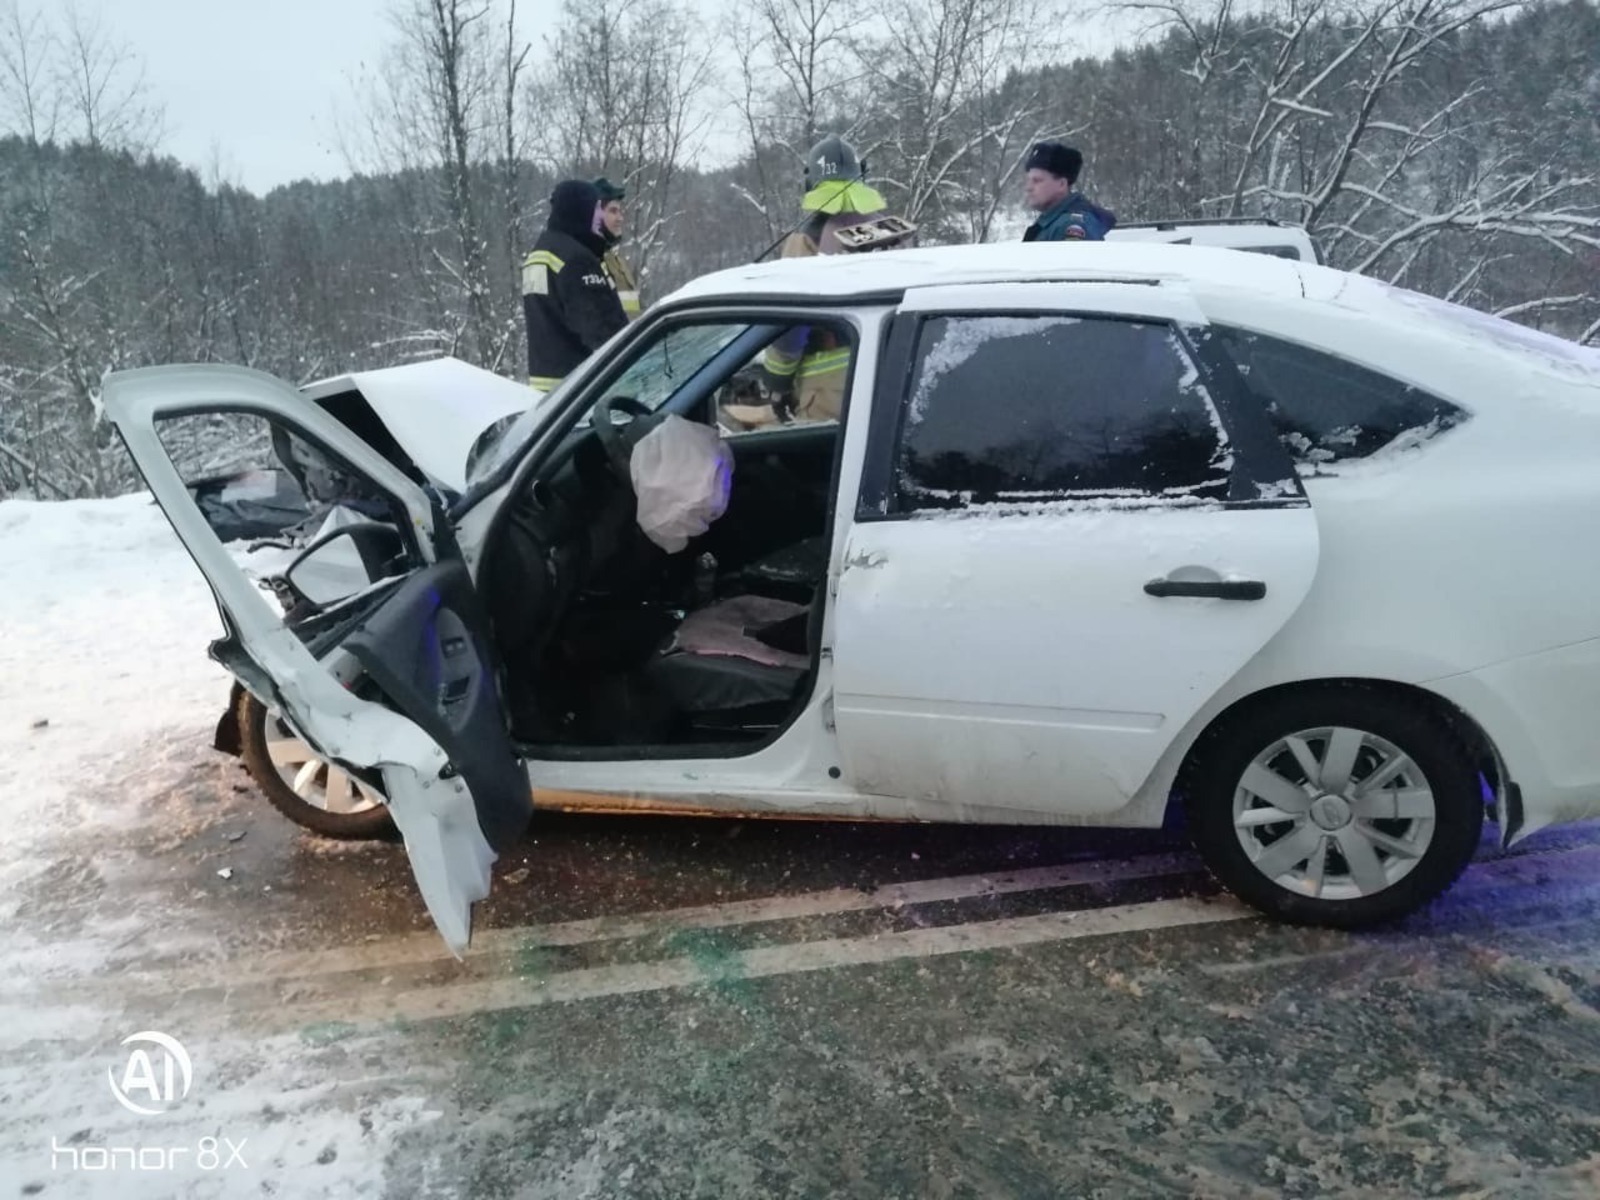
[[670, 361], [652, 378]]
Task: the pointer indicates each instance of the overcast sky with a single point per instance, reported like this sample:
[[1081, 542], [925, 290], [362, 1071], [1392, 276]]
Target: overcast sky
[[258, 85], [261, 81]]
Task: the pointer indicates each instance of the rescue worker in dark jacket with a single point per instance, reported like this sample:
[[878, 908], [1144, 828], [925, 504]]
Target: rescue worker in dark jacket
[[569, 302], [1065, 214]]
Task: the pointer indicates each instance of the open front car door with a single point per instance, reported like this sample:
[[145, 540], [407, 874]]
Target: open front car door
[[383, 663]]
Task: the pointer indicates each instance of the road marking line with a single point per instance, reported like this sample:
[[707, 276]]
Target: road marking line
[[241, 974], [464, 999], [424, 948], [1518, 879], [421, 949]]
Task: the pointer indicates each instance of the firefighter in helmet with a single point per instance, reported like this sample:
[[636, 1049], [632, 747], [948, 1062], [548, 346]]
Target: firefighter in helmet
[[803, 373], [836, 197]]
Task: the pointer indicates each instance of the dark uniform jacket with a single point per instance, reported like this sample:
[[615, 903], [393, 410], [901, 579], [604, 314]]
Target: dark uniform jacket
[[1077, 218], [569, 302]]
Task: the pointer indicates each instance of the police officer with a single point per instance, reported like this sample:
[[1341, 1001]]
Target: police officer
[[613, 218], [1065, 214], [570, 304]]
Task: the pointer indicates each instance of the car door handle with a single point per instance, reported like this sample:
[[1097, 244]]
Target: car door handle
[[1219, 589]]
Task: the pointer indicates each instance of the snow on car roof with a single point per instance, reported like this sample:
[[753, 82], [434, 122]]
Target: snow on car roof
[[1202, 270], [893, 271]]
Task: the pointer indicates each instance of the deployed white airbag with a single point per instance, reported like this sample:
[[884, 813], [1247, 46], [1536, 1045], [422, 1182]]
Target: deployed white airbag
[[682, 472]]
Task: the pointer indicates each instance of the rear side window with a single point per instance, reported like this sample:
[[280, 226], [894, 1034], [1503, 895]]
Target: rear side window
[[1026, 408], [1327, 409]]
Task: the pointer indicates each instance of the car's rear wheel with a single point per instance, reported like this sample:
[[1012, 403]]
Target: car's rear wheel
[[302, 786], [1338, 806]]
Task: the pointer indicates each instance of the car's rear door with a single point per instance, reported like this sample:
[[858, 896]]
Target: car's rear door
[[1068, 538], [396, 683]]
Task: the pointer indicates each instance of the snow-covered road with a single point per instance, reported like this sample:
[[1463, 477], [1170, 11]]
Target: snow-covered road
[[107, 704]]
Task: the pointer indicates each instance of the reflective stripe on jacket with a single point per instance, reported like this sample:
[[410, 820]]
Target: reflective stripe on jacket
[[622, 278], [569, 303]]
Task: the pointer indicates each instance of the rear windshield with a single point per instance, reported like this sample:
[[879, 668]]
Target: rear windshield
[[1559, 354]]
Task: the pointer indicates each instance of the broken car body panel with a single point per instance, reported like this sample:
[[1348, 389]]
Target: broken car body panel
[[429, 798]]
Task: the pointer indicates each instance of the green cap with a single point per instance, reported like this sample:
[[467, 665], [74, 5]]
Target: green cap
[[609, 191]]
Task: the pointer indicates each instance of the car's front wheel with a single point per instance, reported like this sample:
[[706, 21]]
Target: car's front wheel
[[1338, 806], [300, 784]]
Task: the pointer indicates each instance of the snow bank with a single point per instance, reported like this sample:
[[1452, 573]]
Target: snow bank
[[104, 622]]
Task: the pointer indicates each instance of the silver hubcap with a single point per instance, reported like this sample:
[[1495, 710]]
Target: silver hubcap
[[313, 779], [1334, 813]]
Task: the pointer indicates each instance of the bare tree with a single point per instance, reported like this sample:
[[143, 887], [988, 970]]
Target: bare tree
[[453, 75], [65, 307], [955, 104], [798, 76], [808, 45], [46, 312], [1346, 130], [621, 95], [103, 87], [1375, 46], [428, 122], [513, 58], [29, 101], [801, 74]]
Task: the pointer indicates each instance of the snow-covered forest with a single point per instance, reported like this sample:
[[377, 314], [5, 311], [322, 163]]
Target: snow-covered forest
[[1449, 145]]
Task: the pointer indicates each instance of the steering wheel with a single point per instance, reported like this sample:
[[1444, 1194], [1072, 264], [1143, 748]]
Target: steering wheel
[[614, 440]]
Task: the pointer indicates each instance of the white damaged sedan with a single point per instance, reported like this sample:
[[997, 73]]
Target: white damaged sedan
[[1098, 529]]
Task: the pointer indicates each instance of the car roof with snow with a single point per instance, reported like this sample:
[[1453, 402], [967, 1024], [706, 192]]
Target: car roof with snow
[[892, 272], [1200, 270]]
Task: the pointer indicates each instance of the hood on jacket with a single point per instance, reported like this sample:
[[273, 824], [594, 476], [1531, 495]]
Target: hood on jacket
[[573, 207], [1105, 214], [1076, 202]]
